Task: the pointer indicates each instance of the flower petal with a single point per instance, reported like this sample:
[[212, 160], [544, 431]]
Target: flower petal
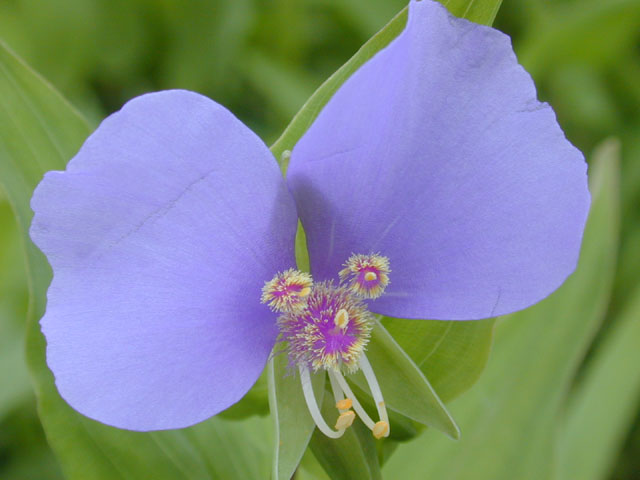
[[437, 155], [161, 233]]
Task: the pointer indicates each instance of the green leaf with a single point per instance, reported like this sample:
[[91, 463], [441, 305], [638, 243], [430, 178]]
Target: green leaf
[[451, 354], [352, 456], [601, 409], [478, 11], [15, 385], [293, 424], [39, 131], [404, 387], [312, 107], [509, 419]]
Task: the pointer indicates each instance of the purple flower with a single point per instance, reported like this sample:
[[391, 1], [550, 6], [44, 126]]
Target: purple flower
[[164, 228]]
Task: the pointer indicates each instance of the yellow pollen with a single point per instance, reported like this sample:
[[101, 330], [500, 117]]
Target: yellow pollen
[[342, 318], [345, 420], [344, 404], [287, 291], [304, 292], [366, 276], [380, 429]]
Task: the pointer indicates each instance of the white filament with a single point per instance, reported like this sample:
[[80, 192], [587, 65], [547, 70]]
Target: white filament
[[365, 366], [312, 405], [364, 416], [338, 394]]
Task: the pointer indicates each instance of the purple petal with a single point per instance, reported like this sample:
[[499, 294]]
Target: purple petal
[[437, 154], [161, 233]]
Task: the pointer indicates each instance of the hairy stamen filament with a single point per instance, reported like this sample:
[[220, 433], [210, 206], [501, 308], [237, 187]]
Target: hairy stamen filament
[[381, 428], [362, 413], [347, 416], [312, 405]]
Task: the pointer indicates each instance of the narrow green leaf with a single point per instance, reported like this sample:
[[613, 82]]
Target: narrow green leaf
[[451, 354], [312, 107], [509, 420], [310, 468], [292, 421], [601, 409], [352, 456], [15, 385], [404, 387], [39, 131], [479, 11]]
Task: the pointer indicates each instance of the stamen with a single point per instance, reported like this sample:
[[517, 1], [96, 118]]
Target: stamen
[[304, 292], [381, 428], [366, 275], [287, 291], [341, 319], [345, 420], [365, 366], [312, 405], [362, 413], [330, 331], [327, 326]]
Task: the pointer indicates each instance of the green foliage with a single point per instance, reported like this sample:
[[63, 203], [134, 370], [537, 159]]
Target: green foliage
[[293, 424], [599, 409], [353, 455], [15, 386], [475, 10], [451, 354], [404, 386]]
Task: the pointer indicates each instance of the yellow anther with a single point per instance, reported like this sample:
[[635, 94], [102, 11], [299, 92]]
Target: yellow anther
[[342, 318], [287, 291], [345, 420], [304, 292], [367, 276], [344, 404], [380, 429]]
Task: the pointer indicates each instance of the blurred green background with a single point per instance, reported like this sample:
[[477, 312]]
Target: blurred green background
[[262, 59]]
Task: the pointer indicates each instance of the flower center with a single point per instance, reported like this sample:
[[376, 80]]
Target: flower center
[[330, 333], [327, 327]]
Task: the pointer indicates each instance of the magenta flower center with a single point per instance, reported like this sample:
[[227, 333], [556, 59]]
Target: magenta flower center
[[327, 326], [331, 332]]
